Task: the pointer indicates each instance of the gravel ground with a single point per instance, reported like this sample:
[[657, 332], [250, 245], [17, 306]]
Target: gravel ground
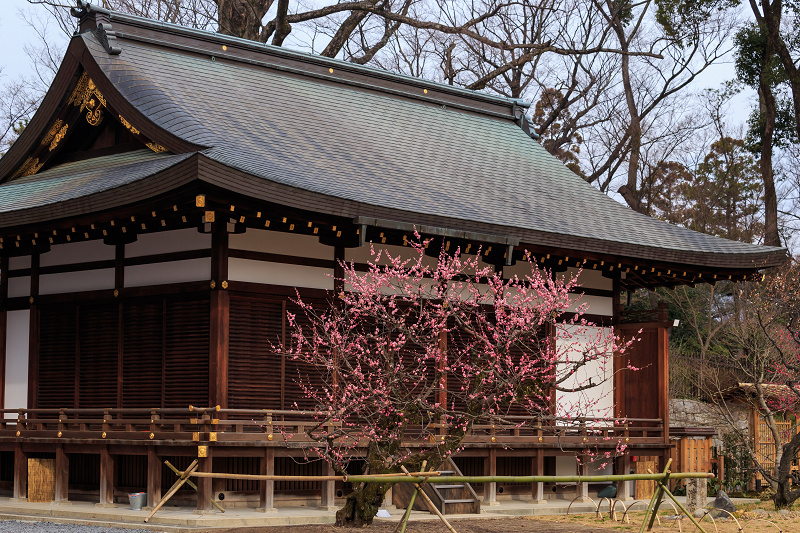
[[12, 526]]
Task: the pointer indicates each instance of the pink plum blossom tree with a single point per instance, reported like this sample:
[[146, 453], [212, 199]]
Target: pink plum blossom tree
[[414, 352]]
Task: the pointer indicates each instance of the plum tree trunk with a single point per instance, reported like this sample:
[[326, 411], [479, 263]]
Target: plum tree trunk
[[361, 505]]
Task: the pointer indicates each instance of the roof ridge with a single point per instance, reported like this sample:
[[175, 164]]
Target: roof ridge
[[208, 35]]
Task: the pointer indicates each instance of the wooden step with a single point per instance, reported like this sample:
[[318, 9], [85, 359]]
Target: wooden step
[[469, 500], [442, 486]]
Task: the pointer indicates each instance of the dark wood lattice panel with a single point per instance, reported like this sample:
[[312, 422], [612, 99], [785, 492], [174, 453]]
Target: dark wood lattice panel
[[186, 353], [254, 363], [57, 340], [98, 354], [297, 370], [143, 348]]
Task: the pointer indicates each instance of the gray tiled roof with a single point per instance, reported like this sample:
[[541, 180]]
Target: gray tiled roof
[[372, 148], [80, 179]]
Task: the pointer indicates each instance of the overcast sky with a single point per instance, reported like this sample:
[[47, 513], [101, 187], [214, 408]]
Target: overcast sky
[[15, 33]]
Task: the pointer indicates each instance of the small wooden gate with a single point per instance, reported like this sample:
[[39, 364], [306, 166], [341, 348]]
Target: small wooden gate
[[693, 449]]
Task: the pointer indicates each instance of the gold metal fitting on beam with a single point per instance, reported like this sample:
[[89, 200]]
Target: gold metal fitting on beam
[[152, 435], [202, 451], [59, 434], [104, 434], [212, 436], [269, 437]]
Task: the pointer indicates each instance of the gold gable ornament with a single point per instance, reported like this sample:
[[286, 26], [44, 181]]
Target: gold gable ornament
[[88, 97]]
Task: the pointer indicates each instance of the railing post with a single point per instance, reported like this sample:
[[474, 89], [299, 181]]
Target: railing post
[[624, 487], [106, 478], [205, 484], [153, 475], [328, 490], [267, 486], [62, 474], [537, 467], [490, 469], [583, 486], [20, 473]]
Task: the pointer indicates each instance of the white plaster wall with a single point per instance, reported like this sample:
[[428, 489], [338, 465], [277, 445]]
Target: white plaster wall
[[588, 278], [77, 252], [17, 339], [597, 401], [166, 273], [19, 286], [278, 242], [596, 305], [180, 240], [19, 262], [87, 280], [279, 274], [364, 254]]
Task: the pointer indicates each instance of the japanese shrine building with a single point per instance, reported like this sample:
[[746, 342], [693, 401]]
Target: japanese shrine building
[[176, 186]]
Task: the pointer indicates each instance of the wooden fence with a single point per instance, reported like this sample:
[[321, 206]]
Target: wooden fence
[[693, 450]]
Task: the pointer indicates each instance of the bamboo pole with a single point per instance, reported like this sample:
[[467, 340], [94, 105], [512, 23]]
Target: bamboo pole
[[429, 503], [404, 522], [417, 477], [191, 484], [658, 496], [178, 484]]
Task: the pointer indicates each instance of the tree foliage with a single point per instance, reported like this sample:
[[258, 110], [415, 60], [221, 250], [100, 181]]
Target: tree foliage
[[420, 352]]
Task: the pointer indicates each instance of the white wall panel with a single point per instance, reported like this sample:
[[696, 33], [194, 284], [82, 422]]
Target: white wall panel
[[280, 274], [87, 280], [278, 242], [19, 286], [77, 252], [168, 241], [19, 262], [165, 273], [597, 401], [17, 340]]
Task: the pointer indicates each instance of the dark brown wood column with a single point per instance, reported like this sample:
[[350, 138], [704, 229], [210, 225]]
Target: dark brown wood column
[[106, 477], [204, 484], [20, 473], [537, 467], [220, 319], [62, 475], [33, 339], [490, 469], [153, 477], [3, 328], [266, 489]]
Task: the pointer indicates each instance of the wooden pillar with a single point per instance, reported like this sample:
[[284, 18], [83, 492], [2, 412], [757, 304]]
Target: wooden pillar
[[3, 326], [20, 473], [338, 269], [204, 484], [663, 381], [62, 475], [266, 489], [153, 477], [583, 486], [106, 478], [624, 488], [33, 340], [490, 469], [537, 468], [328, 490], [220, 319]]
